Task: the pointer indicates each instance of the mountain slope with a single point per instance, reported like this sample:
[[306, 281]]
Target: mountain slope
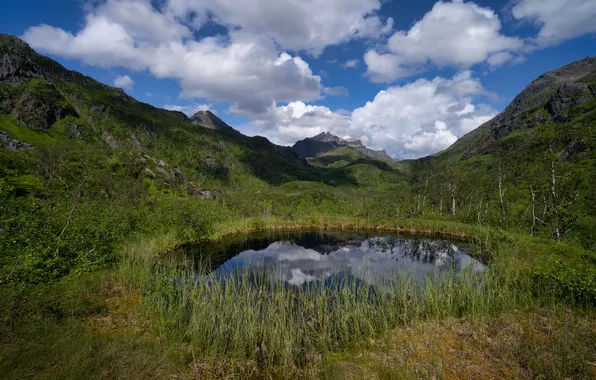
[[326, 142], [556, 97], [209, 120], [43, 103], [533, 165]]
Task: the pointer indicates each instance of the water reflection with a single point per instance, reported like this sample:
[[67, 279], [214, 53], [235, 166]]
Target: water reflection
[[305, 258]]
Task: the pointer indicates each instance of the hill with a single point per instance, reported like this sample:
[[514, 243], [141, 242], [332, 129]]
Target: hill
[[534, 164], [326, 142], [42, 103]]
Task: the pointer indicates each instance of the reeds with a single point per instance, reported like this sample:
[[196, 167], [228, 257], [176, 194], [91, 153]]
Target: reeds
[[254, 316]]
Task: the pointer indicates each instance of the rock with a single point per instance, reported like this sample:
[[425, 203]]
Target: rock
[[207, 194], [15, 59], [6, 141], [73, 131], [99, 108], [163, 171], [177, 173], [571, 149], [135, 141], [542, 116], [326, 142], [208, 119], [567, 95], [109, 139], [40, 107], [162, 163], [148, 173]]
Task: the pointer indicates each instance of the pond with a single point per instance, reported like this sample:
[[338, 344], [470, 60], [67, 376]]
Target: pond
[[308, 258]]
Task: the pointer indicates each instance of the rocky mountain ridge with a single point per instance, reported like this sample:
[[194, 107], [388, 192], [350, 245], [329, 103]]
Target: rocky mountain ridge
[[209, 120], [555, 97], [326, 142]]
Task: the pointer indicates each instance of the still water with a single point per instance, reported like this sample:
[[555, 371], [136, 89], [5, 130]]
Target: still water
[[303, 258]]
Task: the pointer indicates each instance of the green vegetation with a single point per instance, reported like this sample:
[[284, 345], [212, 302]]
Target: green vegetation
[[90, 221]]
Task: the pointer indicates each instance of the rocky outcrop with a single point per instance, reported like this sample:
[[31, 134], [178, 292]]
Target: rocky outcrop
[[15, 61], [326, 142], [6, 141], [208, 119], [570, 150], [551, 98], [556, 91], [40, 109], [567, 95]]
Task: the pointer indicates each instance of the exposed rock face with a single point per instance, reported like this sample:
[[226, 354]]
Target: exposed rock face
[[208, 120], [6, 141], [548, 99], [556, 91], [40, 110], [567, 95], [14, 60], [573, 148], [325, 142]]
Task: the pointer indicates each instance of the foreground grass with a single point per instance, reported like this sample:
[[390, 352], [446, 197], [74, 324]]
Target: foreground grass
[[133, 322], [531, 343]]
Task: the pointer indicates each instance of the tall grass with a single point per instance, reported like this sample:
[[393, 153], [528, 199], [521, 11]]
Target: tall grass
[[283, 329]]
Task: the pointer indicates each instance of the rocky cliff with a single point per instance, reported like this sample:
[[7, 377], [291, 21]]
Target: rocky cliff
[[326, 142]]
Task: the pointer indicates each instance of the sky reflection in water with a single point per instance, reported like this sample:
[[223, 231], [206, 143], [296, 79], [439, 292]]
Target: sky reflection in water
[[373, 260]]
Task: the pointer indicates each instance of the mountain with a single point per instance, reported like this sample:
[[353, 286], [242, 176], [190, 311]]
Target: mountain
[[538, 154], [557, 97], [326, 142], [43, 104], [209, 120]]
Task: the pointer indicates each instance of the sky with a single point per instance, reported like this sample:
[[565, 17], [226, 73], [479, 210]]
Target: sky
[[407, 76]]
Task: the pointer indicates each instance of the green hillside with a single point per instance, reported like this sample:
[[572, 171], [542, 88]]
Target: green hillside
[[337, 158]]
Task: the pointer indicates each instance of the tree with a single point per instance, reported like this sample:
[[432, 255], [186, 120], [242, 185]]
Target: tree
[[448, 174], [501, 191]]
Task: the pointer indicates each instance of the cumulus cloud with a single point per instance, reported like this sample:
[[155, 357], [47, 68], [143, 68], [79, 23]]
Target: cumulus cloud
[[407, 121], [248, 72], [336, 91], [297, 120], [124, 82], [295, 24], [499, 59], [451, 34], [558, 20], [351, 64]]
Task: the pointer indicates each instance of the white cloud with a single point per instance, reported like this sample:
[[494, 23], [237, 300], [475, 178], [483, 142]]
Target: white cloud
[[451, 34], [124, 82], [190, 109], [297, 120], [244, 70], [295, 24], [336, 91], [431, 141], [559, 20], [407, 121], [352, 63], [498, 59]]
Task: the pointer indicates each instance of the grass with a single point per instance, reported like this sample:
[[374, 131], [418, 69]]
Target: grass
[[263, 329], [524, 344], [149, 317], [32, 137]]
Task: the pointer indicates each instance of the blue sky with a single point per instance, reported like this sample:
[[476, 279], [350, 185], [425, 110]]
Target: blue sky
[[409, 76]]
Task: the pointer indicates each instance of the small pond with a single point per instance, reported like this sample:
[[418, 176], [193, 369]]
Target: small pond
[[303, 258]]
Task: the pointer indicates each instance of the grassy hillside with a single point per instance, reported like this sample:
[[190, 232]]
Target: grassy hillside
[[548, 127]]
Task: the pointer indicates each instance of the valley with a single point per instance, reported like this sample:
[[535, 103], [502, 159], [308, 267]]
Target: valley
[[101, 194]]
